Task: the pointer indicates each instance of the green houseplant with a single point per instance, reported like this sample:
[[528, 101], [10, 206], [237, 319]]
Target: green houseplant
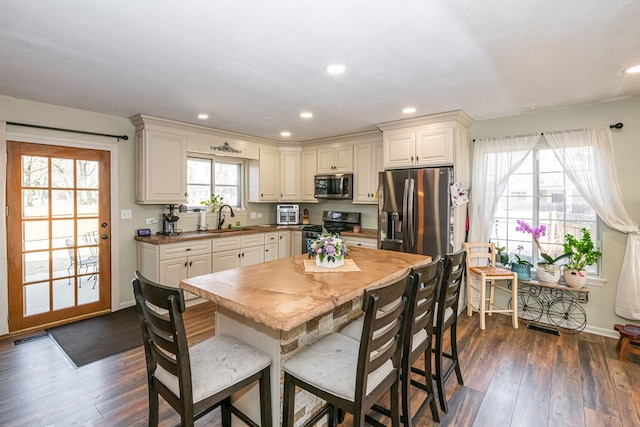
[[214, 203], [581, 254]]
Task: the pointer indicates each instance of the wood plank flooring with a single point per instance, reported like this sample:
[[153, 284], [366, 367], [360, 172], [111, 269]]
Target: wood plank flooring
[[511, 377]]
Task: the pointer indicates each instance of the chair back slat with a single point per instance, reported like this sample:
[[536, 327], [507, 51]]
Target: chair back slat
[[160, 310], [453, 272], [481, 254]]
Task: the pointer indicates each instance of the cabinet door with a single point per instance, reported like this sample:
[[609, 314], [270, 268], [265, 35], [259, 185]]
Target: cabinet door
[[251, 256], [377, 166], [296, 243], [270, 252], [309, 167], [172, 271], [362, 173], [326, 161], [199, 265], [269, 176], [398, 149], [284, 244], [343, 159], [156, 153], [434, 145], [290, 176], [226, 260]]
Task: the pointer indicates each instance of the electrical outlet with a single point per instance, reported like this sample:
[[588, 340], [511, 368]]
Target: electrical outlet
[[253, 215], [152, 221], [259, 214], [126, 214]]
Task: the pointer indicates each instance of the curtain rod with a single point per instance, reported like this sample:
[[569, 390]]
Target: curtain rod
[[618, 125], [119, 137]]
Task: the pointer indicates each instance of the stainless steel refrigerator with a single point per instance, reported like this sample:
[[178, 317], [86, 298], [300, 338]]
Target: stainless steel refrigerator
[[414, 211]]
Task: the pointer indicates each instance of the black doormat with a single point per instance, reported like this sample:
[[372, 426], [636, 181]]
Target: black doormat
[[93, 339]]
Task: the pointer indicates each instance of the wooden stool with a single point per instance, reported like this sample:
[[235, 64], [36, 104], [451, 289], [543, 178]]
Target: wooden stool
[[629, 341]]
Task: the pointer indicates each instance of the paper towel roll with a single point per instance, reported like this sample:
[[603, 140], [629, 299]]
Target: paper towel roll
[[202, 224]]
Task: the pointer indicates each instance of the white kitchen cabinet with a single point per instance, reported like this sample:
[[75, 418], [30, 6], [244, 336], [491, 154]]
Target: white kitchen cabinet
[[309, 168], [367, 164], [284, 244], [270, 252], [364, 242], [252, 249], [289, 176], [161, 167], [264, 177], [238, 251], [168, 264], [427, 145], [335, 160], [296, 243]]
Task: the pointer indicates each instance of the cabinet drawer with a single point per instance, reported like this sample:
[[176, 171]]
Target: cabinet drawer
[[270, 238], [252, 240], [361, 241], [174, 250], [226, 243]]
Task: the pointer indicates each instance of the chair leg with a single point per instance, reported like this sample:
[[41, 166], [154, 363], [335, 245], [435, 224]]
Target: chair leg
[[395, 407], [405, 385], [624, 348], [438, 375], [153, 408], [428, 377], [483, 291], [453, 333], [265, 398], [492, 289], [514, 301], [288, 401], [225, 409], [469, 295]]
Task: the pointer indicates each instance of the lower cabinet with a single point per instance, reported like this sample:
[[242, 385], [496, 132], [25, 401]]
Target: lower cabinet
[[284, 244], [239, 251], [170, 263], [296, 243], [361, 241]]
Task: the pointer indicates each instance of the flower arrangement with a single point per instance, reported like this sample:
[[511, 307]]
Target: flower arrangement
[[328, 246], [519, 260], [581, 252], [536, 233], [214, 203]]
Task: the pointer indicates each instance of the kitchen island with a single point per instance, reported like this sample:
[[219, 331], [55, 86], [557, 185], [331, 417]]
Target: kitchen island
[[279, 308]]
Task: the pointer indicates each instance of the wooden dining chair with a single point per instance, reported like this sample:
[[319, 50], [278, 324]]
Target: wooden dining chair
[[481, 265], [352, 375], [195, 380]]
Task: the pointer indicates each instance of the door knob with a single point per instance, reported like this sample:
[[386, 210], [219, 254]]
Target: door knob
[[104, 236]]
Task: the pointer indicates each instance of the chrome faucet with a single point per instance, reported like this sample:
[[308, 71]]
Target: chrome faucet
[[221, 215]]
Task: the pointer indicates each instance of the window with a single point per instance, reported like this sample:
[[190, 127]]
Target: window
[[222, 177], [540, 193]]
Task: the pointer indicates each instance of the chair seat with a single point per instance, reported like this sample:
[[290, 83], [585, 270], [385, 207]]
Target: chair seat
[[628, 331], [492, 271], [340, 353], [216, 364]]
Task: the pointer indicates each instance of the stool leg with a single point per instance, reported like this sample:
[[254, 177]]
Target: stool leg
[[624, 348], [514, 299], [483, 291], [469, 294], [492, 288]]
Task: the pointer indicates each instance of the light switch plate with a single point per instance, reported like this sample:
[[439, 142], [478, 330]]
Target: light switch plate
[[126, 214], [253, 215]]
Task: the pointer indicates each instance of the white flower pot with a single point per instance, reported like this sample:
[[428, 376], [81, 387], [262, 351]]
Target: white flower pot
[[329, 264], [548, 273], [575, 278]]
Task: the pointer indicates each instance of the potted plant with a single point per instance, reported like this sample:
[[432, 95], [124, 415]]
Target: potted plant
[[548, 271], [329, 250], [214, 203], [581, 254], [521, 266]]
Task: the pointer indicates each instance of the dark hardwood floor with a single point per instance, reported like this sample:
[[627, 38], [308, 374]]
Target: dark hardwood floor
[[512, 378]]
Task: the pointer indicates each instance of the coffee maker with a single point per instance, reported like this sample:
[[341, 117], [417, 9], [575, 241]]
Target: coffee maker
[[169, 221]]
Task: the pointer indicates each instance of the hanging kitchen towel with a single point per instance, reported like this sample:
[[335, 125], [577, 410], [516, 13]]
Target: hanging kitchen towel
[[458, 194]]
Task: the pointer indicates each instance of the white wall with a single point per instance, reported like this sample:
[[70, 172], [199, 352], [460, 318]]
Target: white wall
[[600, 308]]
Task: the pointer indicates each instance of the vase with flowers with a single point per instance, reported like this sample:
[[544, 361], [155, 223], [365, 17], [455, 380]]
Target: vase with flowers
[[329, 250], [214, 202], [548, 270], [581, 253]]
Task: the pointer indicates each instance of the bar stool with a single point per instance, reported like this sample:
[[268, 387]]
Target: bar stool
[[481, 263], [629, 341]]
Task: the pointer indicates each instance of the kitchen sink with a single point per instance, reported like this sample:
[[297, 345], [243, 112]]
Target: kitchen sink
[[231, 229]]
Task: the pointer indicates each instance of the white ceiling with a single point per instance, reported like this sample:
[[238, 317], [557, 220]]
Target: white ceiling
[[253, 66]]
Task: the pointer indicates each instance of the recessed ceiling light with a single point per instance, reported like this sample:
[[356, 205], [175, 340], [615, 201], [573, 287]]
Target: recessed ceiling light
[[633, 70], [409, 110], [336, 69], [285, 133], [306, 115], [203, 116]]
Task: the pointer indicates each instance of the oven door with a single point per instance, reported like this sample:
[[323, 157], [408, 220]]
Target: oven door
[[283, 216], [292, 217]]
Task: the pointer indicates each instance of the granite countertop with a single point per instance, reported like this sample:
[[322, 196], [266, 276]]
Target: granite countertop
[[159, 239], [282, 296]]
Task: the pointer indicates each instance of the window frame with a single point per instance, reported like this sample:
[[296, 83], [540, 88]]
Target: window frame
[[242, 187]]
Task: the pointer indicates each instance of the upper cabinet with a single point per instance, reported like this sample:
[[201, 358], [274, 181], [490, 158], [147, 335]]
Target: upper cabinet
[[264, 177], [161, 166], [335, 160], [435, 140], [290, 176], [309, 166], [367, 164]]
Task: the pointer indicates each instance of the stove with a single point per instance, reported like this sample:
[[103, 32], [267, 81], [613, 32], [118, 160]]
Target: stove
[[333, 221]]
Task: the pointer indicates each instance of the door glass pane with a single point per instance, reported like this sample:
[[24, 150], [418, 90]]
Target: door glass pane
[[61, 173], [87, 202], [63, 261], [35, 204], [61, 203], [35, 266], [87, 174], [63, 294], [35, 171], [62, 230], [35, 235], [36, 297]]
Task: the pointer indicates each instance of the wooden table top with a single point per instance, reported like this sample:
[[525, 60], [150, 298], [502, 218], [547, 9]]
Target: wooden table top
[[280, 295]]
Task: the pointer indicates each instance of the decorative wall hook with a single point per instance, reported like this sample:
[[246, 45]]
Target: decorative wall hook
[[226, 148]]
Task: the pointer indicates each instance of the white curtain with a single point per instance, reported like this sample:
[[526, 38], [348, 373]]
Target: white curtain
[[494, 160], [587, 158]]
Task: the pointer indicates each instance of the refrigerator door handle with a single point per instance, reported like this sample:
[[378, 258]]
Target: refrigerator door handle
[[409, 213], [405, 207]]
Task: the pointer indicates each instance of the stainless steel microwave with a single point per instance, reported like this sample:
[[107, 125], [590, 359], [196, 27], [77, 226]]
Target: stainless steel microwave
[[338, 186]]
